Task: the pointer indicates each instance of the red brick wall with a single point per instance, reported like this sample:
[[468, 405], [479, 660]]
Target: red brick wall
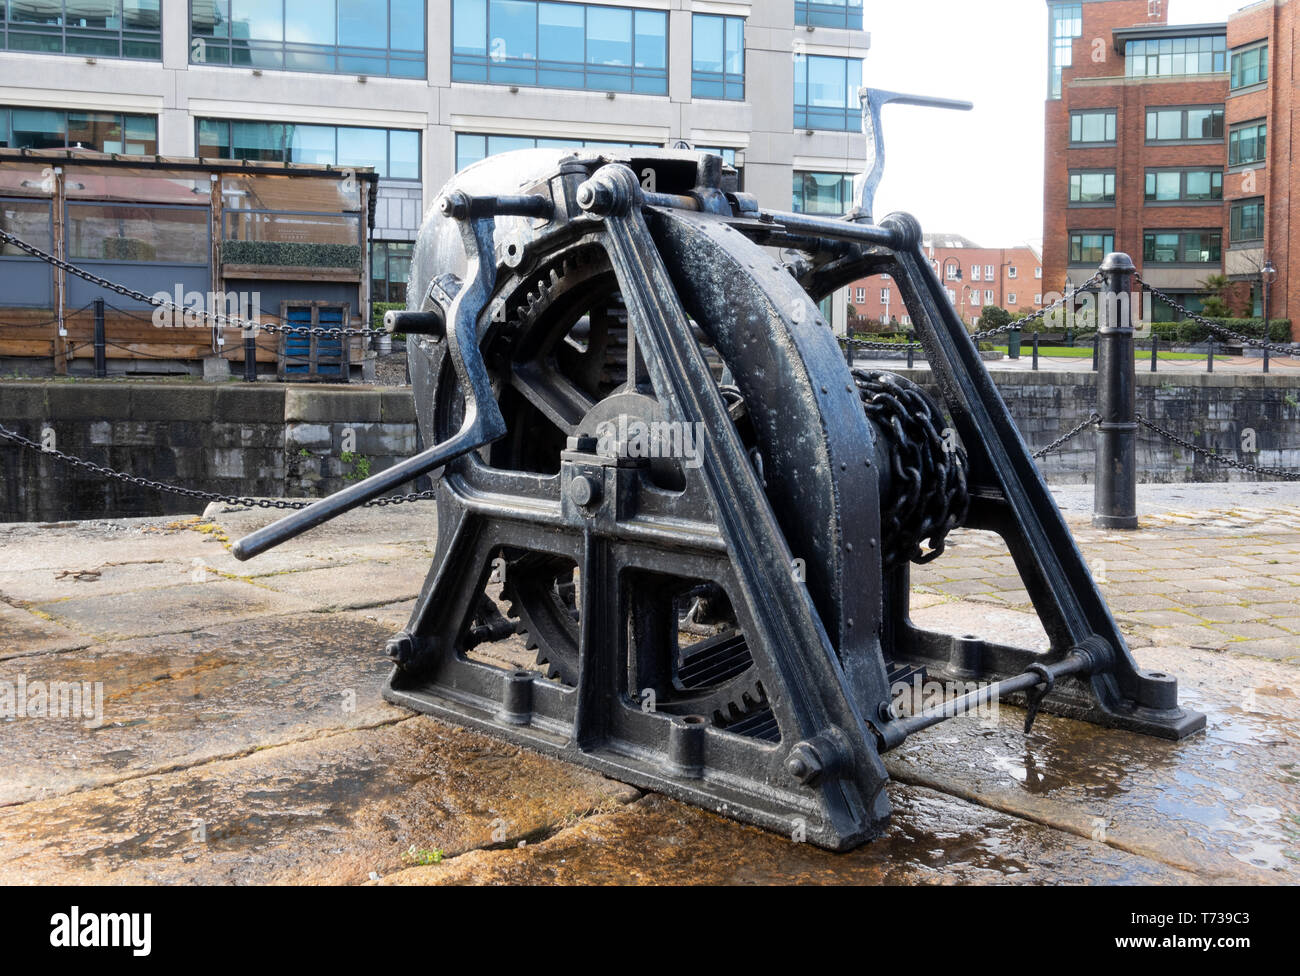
[[1025, 286], [1101, 84], [1278, 180]]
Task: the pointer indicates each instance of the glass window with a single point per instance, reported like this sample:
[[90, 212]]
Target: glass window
[[1199, 124], [1196, 185], [1066, 23], [394, 153], [1164, 56], [472, 147], [829, 13], [1182, 247], [560, 45], [1249, 67], [822, 193], [826, 93], [29, 220], [1247, 144], [1093, 126], [717, 57], [1247, 221], [128, 232], [98, 28], [390, 266], [1096, 187], [1091, 247], [25, 128], [369, 37]]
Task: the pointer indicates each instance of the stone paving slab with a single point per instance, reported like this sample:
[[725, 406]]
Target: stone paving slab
[[187, 698], [930, 841], [169, 610], [236, 721], [24, 632], [1223, 804], [326, 811], [383, 581]]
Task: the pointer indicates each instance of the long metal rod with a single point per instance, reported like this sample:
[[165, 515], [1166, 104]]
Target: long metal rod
[[349, 498], [838, 230], [1073, 663]]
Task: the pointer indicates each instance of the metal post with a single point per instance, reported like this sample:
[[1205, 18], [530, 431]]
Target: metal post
[[1115, 495], [911, 356], [250, 358], [1209, 360], [101, 346], [1155, 345], [1264, 278], [1013, 344], [1035, 367], [1096, 345]]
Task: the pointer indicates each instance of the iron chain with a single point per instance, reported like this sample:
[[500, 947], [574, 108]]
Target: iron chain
[[1214, 458], [1018, 325], [229, 320], [211, 496], [1245, 340], [1090, 421]]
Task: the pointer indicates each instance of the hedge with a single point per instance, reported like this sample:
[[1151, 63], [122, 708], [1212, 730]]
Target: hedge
[[1190, 332], [292, 255]]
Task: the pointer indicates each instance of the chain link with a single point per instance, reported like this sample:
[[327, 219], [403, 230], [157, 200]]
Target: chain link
[[230, 321], [1245, 340], [1214, 458], [210, 496], [1091, 420], [977, 337], [1020, 324]]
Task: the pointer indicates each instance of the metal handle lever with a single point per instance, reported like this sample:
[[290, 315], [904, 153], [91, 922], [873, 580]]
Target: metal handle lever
[[873, 100]]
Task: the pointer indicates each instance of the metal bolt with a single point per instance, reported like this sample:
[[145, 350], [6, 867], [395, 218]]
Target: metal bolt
[[584, 491], [804, 764]]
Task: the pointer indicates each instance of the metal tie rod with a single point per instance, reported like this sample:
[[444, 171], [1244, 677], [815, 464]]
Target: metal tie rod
[[1088, 657]]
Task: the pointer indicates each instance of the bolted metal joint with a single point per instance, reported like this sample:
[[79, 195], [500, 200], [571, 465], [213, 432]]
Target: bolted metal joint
[[822, 756], [611, 192]]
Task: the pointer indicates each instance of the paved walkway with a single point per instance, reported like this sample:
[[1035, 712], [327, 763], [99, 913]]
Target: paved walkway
[[244, 739], [1285, 365]]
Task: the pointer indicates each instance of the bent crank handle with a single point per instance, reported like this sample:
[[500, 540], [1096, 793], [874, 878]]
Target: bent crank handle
[[282, 530], [483, 422]]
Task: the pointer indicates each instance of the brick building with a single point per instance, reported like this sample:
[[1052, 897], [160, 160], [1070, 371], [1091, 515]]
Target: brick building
[[1159, 140], [975, 277]]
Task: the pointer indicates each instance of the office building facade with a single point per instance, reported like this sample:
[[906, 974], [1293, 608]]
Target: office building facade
[[419, 89]]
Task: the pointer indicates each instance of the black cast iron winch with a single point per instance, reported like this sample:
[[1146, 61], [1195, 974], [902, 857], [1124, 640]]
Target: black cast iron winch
[[700, 518]]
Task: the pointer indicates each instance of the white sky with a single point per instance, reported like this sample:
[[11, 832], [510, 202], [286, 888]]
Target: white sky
[[976, 173]]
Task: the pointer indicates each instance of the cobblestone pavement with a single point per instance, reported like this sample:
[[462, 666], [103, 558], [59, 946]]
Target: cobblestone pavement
[[242, 736], [1218, 580]]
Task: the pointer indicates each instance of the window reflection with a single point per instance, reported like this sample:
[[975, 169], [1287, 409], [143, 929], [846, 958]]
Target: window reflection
[[560, 45]]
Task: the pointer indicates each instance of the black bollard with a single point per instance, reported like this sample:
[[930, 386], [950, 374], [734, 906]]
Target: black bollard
[[1115, 494], [1096, 346], [1155, 345], [101, 342], [1266, 355], [911, 356], [1035, 366], [250, 358], [1209, 360]]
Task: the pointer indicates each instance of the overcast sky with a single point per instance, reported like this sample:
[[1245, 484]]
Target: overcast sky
[[975, 173]]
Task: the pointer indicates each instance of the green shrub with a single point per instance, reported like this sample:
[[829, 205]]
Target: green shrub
[[377, 310], [292, 255], [1191, 332], [128, 249]]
